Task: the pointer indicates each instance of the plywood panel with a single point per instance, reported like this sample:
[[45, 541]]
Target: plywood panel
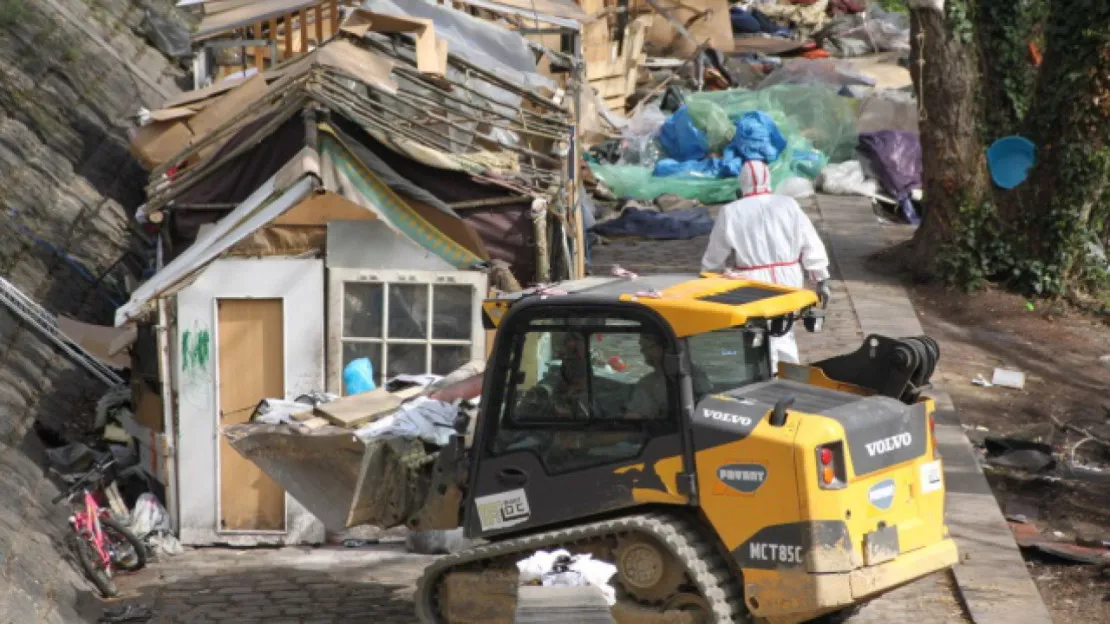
[[251, 352], [321, 208]]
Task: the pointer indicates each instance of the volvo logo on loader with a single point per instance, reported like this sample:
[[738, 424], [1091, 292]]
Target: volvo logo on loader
[[889, 445], [734, 419]]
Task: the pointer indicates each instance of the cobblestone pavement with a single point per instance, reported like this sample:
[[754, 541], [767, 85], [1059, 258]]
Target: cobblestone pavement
[[280, 585], [375, 584]]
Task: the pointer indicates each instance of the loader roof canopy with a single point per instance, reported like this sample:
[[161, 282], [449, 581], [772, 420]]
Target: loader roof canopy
[[691, 304]]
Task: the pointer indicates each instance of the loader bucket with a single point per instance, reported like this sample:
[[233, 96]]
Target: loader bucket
[[340, 479]]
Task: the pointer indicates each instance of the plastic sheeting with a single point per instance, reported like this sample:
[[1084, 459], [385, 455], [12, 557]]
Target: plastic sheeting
[[681, 139], [818, 126], [673, 225], [816, 114], [757, 138], [895, 157], [830, 72], [865, 33], [483, 43]]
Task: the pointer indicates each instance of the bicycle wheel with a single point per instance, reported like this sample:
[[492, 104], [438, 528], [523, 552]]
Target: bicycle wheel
[[128, 551], [93, 567]]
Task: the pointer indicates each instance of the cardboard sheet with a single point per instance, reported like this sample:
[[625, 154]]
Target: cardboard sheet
[[431, 56], [107, 344]]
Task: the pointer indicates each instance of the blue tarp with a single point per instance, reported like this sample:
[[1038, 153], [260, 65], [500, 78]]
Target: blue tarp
[[757, 138], [673, 225], [681, 139]]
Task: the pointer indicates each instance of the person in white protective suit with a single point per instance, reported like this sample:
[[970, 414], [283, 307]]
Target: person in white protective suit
[[767, 238]]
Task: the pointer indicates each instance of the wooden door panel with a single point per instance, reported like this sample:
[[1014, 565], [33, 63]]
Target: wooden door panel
[[251, 354]]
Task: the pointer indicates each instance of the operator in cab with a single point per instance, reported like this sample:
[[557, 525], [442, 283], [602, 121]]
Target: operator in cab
[[768, 238]]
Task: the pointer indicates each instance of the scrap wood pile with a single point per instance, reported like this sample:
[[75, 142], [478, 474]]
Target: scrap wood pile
[[403, 106], [772, 92], [371, 457]]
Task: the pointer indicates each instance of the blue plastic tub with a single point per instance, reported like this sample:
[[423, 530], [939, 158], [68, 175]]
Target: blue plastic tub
[[1010, 159]]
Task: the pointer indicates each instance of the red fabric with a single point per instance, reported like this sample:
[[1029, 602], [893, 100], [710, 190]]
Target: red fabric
[[816, 54], [770, 266], [847, 6]]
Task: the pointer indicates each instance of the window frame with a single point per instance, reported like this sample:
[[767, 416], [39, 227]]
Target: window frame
[[339, 277], [505, 359]]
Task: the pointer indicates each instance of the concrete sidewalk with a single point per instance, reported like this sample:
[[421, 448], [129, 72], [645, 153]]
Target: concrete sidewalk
[[992, 579]]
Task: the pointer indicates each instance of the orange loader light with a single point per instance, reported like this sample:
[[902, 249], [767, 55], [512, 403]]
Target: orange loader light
[[827, 475]]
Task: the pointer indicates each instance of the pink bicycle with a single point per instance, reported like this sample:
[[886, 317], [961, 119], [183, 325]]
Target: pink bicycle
[[102, 544]]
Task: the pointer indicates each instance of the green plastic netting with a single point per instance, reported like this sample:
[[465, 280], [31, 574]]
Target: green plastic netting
[[819, 126]]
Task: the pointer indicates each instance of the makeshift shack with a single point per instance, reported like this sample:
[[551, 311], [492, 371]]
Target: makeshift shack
[[347, 205]]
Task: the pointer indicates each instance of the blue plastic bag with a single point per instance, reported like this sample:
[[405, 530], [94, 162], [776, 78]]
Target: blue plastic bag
[[681, 139], [358, 376], [757, 138]]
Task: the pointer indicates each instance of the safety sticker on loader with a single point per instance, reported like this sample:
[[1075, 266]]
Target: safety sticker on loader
[[504, 509]]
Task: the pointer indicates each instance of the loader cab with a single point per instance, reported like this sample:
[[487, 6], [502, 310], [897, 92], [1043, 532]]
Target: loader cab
[[583, 412]]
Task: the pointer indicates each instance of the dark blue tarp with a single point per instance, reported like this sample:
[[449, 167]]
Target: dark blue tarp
[[673, 225]]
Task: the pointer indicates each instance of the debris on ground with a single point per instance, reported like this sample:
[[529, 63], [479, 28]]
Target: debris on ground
[[1008, 378], [134, 612], [559, 567], [1056, 544]]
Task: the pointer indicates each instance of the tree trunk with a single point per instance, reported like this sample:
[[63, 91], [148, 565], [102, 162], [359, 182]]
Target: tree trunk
[[946, 77], [975, 80]]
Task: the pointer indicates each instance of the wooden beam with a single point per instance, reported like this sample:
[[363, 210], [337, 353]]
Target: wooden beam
[[304, 31], [318, 13], [334, 6], [288, 23], [259, 58]]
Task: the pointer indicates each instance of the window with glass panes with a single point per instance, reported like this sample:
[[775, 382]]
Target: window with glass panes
[[405, 322]]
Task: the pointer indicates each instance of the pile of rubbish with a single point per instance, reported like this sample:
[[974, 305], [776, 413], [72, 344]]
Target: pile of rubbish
[[1070, 457], [131, 494], [787, 95], [370, 458]]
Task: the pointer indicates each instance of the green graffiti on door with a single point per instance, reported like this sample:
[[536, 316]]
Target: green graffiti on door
[[195, 350]]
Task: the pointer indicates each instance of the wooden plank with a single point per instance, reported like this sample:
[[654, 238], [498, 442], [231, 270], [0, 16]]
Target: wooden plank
[[637, 31], [287, 22], [259, 60], [611, 87], [333, 5], [596, 70], [251, 352], [358, 409], [303, 47], [318, 13], [312, 424]]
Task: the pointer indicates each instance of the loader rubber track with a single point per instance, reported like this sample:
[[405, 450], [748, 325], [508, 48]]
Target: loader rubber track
[[704, 566]]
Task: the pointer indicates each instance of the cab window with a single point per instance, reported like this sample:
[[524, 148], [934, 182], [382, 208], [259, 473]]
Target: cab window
[[585, 392], [726, 360]]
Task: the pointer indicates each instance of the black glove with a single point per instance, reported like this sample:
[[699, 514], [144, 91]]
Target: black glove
[[823, 293]]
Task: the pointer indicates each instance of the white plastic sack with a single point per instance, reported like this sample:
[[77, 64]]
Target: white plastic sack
[[846, 178], [796, 187], [583, 570], [533, 568], [427, 419], [148, 516]]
